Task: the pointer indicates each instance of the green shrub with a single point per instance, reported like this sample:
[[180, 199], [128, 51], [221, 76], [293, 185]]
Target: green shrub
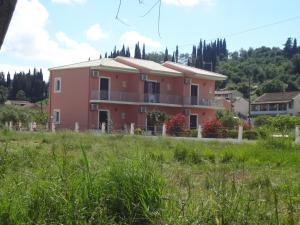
[[251, 134], [138, 131], [232, 134]]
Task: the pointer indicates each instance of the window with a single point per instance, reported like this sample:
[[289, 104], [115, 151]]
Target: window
[[57, 84], [56, 116], [291, 104], [282, 107], [151, 91], [264, 107], [272, 107], [123, 115]]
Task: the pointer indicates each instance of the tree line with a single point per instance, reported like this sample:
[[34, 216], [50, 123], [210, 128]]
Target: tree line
[[23, 86], [204, 55]]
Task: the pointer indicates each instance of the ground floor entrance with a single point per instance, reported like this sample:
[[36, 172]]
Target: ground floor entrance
[[103, 117]]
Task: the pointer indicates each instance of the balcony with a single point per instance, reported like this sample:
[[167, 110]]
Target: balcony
[[133, 98]]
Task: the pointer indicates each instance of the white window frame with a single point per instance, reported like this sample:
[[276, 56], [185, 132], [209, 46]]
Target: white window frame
[[194, 114], [54, 113], [55, 80]]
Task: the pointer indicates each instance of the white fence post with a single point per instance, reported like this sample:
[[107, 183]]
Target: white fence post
[[76, 127], [53, 127], [297, 138], [103, 128], [132, 129], [240, 134], [199, 131], [6, 125], [164, 130], [20, 126], [10, 125], [30, 127]]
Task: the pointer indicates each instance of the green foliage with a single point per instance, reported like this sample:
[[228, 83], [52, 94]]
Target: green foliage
[[132, 192], [270, 70], [80, 178], [272, 86], [17, 114], [21, 95], [3, 94], [156, 117], [251, 134], [227, 119], [138, 131]]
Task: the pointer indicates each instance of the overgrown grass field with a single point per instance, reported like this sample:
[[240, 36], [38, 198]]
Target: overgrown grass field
[[68, 178]]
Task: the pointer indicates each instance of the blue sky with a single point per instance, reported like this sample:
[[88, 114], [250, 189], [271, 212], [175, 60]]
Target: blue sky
[[46, 33]]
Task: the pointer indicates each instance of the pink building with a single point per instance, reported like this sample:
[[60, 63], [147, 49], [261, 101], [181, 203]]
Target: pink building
[[121, 91]]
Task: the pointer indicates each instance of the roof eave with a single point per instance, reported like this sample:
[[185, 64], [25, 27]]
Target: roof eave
[[110, 68]]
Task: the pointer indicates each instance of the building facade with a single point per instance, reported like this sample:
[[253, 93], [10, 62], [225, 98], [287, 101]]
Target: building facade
[[236, 103], [121, 91], [277, 103]]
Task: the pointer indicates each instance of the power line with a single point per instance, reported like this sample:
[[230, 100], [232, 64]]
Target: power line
[[252, 29]]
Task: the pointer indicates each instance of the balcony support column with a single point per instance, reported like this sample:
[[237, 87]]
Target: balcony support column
[[132, 129], [199, 131]]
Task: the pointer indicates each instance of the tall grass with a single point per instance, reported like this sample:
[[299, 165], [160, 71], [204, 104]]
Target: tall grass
[[68, 178]]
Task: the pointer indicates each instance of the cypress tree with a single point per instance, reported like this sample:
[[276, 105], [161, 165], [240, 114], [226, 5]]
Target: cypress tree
[[122, 52], [144, 52], [166, 58], [137, 52], [295, 48], [194, 56], [105, 56], [176, 54], [173, 57], [127, 54], [8, 81]]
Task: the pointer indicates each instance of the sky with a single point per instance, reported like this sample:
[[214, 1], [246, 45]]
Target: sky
[[48, 33]]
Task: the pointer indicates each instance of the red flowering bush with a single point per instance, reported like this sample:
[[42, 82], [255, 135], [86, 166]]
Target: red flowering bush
[[213, 129], [176, 125]]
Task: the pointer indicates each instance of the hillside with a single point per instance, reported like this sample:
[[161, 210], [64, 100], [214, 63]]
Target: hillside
[[270, 69]]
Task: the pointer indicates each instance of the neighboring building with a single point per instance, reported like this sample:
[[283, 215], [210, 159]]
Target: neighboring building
[[236, 103], [7, 8], [277, 103], [25, 104], [120, 91], [228, 94]]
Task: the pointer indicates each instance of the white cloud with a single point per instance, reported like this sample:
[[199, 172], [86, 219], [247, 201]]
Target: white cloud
[[95, 33], [189, 3], [69, 1], [130, 38], [28, 38]]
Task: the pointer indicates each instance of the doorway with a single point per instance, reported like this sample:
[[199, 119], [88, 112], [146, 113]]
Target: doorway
[[104, 88], [194, 94], [193, 121], [103, 118]]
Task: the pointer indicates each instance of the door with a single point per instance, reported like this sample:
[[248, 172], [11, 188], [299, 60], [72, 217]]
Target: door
[[193, 121], [151, 91], [103, 118], [104, 88], [194, 94]]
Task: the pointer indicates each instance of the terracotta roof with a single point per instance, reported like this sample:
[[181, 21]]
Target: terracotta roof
[[7, 8], [277, 97], [195, 71], [105, 64], [152, 67]]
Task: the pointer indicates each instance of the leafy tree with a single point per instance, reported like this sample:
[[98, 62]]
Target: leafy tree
[[21, 95], [272, 86], [3, 94], [296, 63]]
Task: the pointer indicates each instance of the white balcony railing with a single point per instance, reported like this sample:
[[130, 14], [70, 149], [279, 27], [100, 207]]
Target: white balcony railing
[[153, 98]]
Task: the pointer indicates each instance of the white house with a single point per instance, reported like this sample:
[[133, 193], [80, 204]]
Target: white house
[[277, 103]]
